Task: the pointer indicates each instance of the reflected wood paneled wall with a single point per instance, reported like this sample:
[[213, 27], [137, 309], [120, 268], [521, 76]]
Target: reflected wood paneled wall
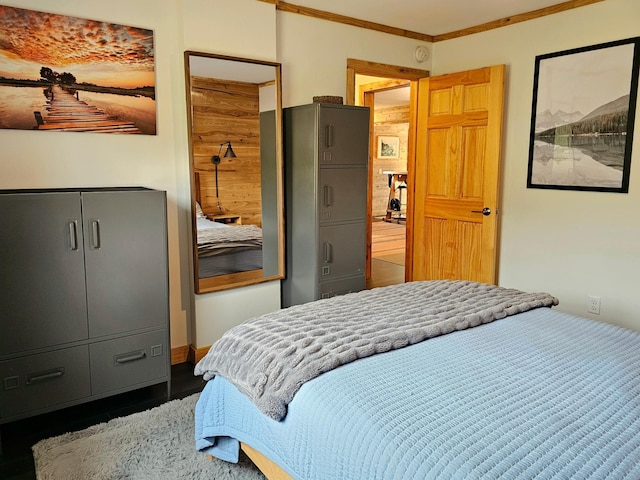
[[222, 111]]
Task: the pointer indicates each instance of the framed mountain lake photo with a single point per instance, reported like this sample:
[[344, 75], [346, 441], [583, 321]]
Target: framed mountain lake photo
[[584, 103]]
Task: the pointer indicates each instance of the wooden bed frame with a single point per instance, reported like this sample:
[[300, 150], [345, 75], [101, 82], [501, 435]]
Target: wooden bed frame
[[266, 466]]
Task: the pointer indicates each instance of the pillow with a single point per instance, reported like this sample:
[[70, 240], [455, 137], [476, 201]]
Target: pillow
[[199, 212]]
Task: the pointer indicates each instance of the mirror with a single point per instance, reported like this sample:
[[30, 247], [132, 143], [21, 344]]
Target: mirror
[[235, 141]]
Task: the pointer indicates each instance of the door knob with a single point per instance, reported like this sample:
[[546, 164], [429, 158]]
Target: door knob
[[486, 211]]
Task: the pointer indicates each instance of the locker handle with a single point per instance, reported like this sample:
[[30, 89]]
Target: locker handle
[[43, 376], [129, 357], [326, 252], [73, 234], [327, 195], [95, 234], [328, 135]]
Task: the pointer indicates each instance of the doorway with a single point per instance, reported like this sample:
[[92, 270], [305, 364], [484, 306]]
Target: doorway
[[390, 107], [391, 94]]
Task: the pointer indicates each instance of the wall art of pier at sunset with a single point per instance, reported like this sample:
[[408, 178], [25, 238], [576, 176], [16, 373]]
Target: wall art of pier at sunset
[[62, 73]]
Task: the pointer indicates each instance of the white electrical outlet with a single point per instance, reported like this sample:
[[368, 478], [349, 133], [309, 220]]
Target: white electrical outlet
[[593, 304]]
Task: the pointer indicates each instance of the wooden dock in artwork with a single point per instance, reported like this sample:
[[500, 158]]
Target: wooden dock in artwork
[[65, 112]]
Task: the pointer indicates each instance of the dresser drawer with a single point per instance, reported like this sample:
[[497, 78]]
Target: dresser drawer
[[128, 361], [342, 286], [43, 381]]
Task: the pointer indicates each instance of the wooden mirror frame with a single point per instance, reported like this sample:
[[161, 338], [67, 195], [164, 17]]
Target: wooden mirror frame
[[274, 227]]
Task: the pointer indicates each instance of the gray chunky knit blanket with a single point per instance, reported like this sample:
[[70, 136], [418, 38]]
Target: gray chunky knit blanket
[[270, 357]]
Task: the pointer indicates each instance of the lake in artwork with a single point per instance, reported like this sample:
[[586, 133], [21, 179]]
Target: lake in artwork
[[571, 166], [18, 104]]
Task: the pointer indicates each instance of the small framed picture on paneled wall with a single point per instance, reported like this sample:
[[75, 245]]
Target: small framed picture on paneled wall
[[584, 103], [61, 73], [388, 146]]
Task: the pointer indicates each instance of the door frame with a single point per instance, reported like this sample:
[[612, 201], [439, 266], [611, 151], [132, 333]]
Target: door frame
[[397, 75]]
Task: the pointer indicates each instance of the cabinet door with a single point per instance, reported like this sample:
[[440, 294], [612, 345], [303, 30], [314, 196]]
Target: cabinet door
[[344, 135], [343, 194], [126, 260], [342, 250], [42, 292]]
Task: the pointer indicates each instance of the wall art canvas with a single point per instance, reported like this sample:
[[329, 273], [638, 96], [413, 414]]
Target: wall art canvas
[[584, 103], [388, 146], [62, 73]]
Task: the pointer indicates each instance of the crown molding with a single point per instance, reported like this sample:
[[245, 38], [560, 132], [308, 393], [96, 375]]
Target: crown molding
[[378, 27]]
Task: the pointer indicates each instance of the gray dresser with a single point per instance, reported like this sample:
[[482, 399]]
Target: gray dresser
[[83, 296], [326, 151]]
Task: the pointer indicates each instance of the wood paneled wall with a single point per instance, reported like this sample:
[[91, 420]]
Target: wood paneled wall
[[224, 111]]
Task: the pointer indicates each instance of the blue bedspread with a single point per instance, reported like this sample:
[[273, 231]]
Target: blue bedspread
[[541, 394]]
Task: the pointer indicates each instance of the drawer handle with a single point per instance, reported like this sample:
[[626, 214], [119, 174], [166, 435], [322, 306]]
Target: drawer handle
[[327, 196], [328, 135], [95, 234], [44, 376], [73, 234], [327, 252], [129, 357]]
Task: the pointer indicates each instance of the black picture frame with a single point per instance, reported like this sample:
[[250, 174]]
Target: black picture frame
[[572, 149]]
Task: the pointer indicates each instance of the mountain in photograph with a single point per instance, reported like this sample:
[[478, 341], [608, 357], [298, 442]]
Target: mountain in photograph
[[619, 105], [547, 120], [610, 118]]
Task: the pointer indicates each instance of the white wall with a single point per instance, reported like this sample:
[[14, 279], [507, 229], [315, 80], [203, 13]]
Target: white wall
[[568, 243], [314, 55]]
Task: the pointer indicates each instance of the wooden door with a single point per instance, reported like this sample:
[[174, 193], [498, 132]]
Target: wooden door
[[456, 175]]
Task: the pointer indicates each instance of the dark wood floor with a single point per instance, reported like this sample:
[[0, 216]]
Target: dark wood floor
[[16, 460]]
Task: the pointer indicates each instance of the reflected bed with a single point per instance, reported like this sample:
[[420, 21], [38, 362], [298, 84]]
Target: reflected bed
[[442, 380], [224, 249]]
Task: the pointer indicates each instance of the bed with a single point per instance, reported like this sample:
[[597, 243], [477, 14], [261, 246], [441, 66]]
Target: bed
[[445, 379], [227, 248]]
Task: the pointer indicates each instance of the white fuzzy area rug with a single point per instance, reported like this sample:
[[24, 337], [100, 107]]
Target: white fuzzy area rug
[[156, 444]]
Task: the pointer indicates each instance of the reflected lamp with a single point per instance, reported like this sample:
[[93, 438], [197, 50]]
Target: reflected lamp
[[229, 153]]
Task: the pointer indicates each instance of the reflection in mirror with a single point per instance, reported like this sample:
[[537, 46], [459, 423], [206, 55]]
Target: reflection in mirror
[[235, 137]]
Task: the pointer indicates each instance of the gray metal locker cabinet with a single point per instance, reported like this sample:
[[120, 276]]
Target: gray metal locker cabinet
[[326, 150], [84, 290]]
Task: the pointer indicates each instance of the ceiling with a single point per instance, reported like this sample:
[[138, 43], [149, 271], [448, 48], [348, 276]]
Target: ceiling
[[429, 17], [392, 98]]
